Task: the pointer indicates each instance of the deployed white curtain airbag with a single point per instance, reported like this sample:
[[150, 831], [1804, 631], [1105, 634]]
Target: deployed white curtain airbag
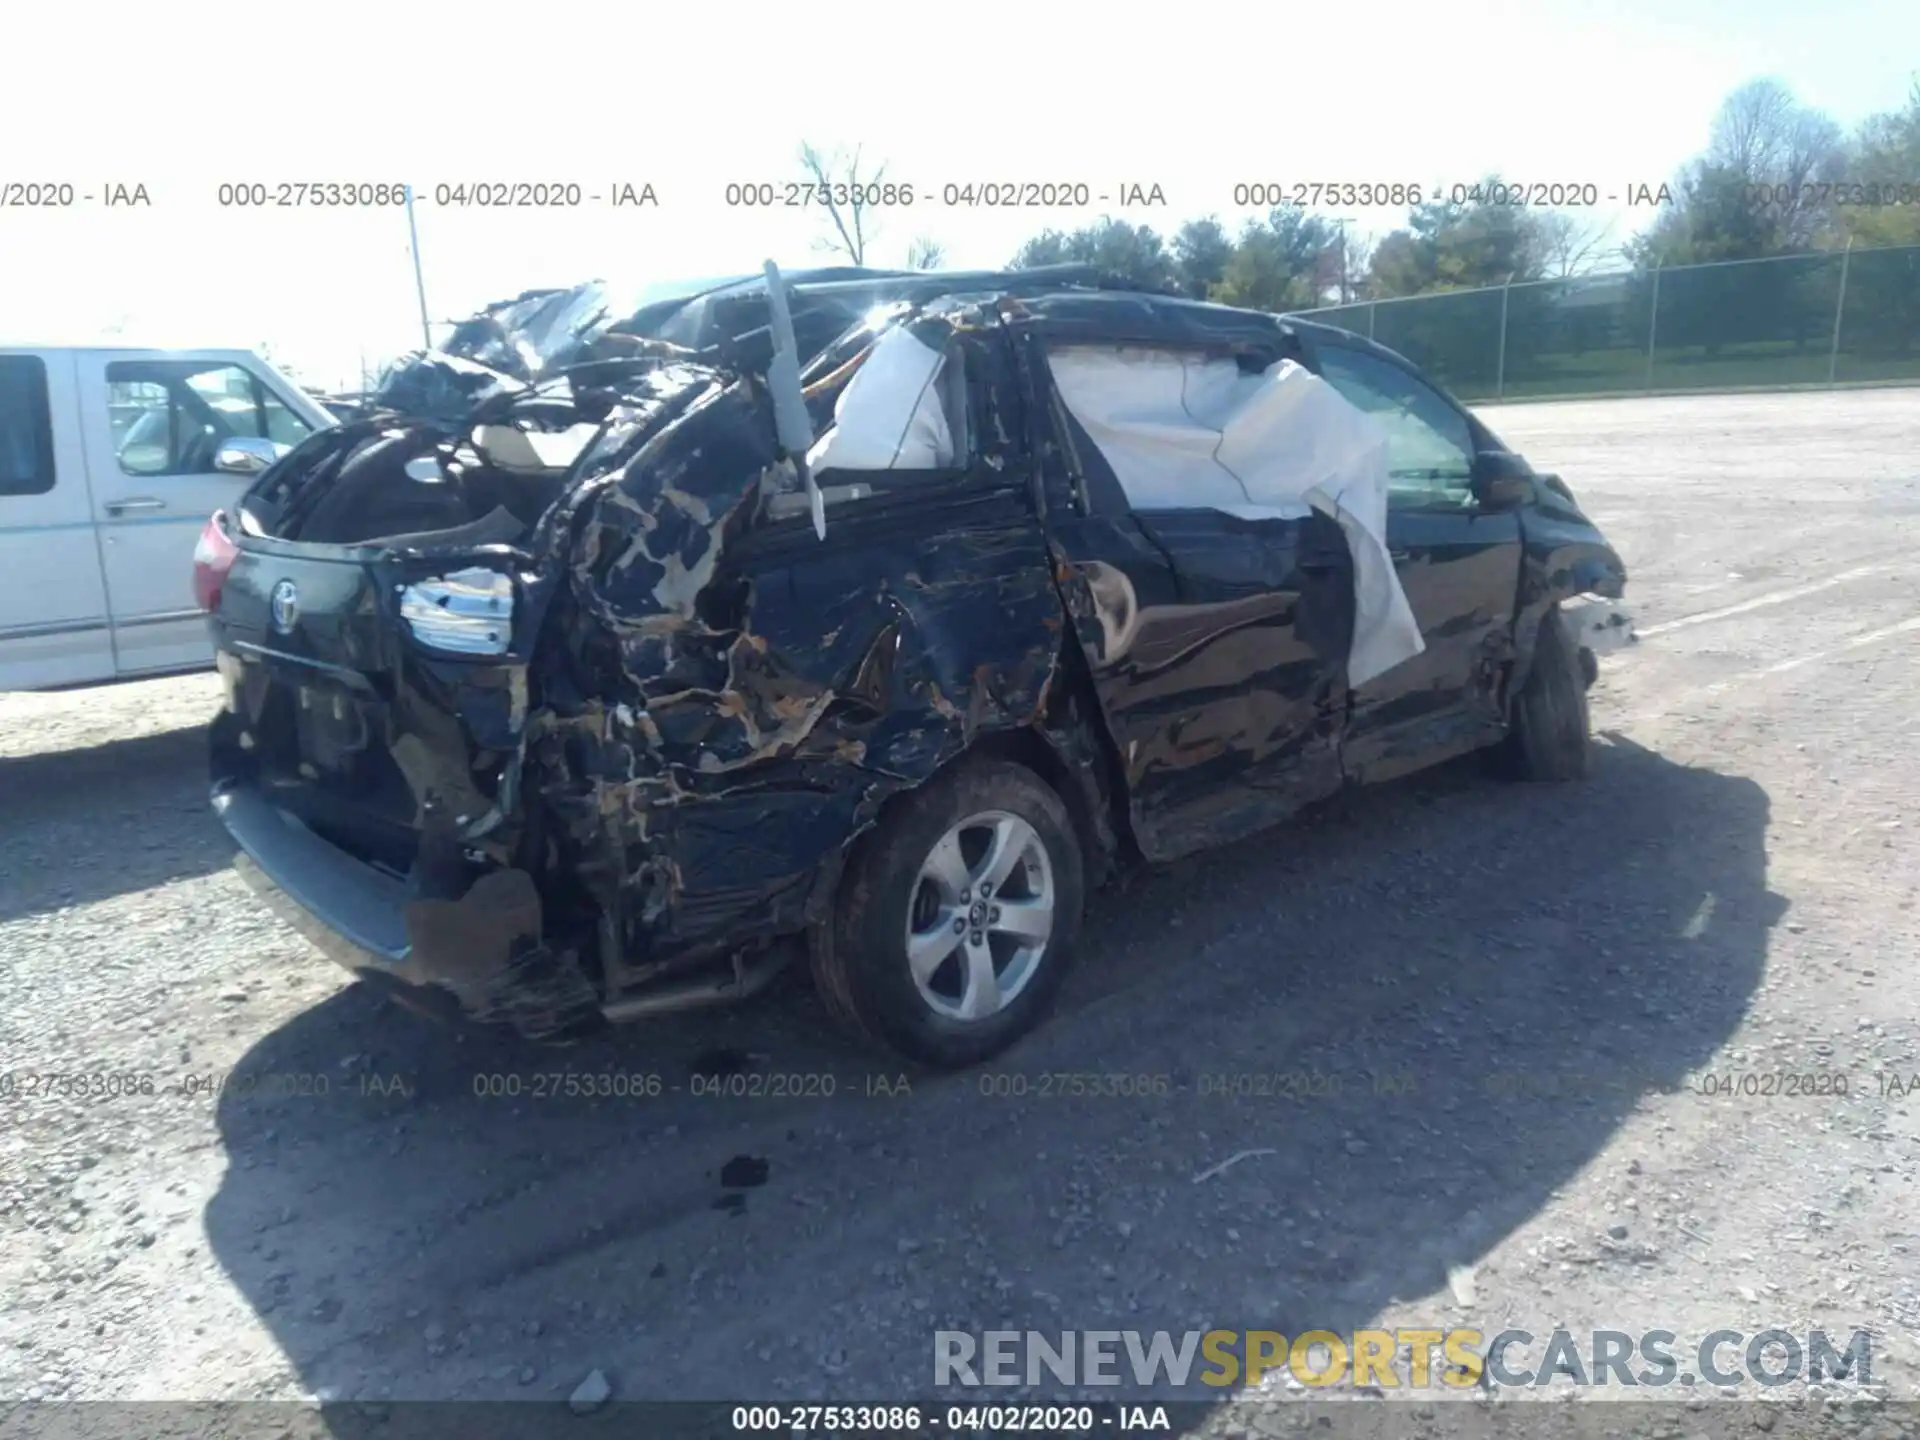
[[1181, 431], [889, 415]]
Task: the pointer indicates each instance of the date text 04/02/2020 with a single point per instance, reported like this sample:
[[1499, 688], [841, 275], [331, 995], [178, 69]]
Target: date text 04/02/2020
[[950, 1419]]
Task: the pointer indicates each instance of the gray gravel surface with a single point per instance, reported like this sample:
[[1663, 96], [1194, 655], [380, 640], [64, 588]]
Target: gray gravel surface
[[1467, 1021]]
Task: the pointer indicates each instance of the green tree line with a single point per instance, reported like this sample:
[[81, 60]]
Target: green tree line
[[1775, 178]]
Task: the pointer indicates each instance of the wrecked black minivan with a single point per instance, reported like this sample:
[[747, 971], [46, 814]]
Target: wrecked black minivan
[[599, 676]]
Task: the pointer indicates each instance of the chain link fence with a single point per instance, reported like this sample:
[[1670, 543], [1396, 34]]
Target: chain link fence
[[1846, 318]]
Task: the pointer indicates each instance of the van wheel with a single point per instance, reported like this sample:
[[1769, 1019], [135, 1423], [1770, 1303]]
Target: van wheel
[[956, 919], [1549, 737]]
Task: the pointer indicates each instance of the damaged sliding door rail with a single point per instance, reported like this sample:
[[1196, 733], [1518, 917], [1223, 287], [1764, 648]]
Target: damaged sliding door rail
[[1043, 405], [1030, 406]]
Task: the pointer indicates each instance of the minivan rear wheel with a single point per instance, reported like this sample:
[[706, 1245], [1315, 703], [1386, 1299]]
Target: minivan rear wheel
[[956, 918]]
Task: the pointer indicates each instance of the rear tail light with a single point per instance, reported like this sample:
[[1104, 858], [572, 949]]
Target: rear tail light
[[212, 558]]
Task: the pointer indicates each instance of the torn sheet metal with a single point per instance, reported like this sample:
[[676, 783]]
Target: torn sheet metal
[[727, 713], [791, 423], [540, 332], [1182, 432], [512, 346], [890, 415]]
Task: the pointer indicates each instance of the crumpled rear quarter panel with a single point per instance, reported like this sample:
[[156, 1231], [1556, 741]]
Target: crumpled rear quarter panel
[[721, 716]]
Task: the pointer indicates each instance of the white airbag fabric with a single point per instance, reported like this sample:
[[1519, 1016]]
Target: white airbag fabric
[[889, 416], [1182, 432]]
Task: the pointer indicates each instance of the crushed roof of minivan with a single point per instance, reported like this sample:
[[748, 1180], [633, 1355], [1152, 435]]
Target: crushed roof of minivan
[[540, 333]]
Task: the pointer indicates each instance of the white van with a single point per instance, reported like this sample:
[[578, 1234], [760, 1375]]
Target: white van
[[111, 460]]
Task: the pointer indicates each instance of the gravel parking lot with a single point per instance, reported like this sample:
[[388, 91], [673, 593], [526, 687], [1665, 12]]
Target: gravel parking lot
[[1499, 1003]]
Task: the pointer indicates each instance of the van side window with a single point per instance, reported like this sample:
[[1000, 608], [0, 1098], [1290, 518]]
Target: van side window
[[1429, 445], [169, 416], [26, 429]]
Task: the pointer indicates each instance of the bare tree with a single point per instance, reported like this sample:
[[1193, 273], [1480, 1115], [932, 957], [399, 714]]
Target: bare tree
[[846, 195], [1766, 137], [1573, 244], [926, 253], [1750, 131]]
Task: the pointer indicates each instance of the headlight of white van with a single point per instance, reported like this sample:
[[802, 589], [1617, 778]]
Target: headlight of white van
[[469, 612]]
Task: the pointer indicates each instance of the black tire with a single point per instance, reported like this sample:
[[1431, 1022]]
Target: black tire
[[859, 953], [1549, 737]]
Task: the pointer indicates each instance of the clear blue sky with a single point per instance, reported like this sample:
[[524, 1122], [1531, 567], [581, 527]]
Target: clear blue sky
[[1614, 92]]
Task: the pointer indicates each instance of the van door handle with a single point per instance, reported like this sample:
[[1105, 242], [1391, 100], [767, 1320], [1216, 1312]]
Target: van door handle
[[1399, 556], [136, 502]]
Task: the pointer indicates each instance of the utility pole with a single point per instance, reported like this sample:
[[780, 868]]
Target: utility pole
[[1839, 310], [1653, 323], [419, 281], [1345, 293], [1500, 363]]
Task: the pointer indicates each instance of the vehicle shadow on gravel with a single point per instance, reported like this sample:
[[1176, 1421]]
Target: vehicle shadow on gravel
[[97, 821], [1406, 1021]]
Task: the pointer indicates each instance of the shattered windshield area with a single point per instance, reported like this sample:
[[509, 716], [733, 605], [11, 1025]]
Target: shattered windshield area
[[507, 348], [526, 341], [539, 335], [540, 332]]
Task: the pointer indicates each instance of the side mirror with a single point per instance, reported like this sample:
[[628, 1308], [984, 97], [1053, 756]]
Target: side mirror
[[1501, 480], [247, 455]]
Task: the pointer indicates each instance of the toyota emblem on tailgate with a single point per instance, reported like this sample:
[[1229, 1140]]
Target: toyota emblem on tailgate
[[285, 607]]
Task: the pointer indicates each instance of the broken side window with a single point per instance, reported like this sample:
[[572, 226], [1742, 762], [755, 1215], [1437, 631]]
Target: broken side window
[[903, 409], [1161, 418], [1191, 430]]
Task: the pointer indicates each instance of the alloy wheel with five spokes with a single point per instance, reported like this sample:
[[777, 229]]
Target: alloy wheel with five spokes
[[981, 916], [956, 919]]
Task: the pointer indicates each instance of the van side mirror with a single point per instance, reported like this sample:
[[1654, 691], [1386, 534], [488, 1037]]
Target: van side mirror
[[1501, 480], [246, 455]]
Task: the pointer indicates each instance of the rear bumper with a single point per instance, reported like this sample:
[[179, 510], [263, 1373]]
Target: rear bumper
[[484, 949], [351, 912], [481, 956]]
